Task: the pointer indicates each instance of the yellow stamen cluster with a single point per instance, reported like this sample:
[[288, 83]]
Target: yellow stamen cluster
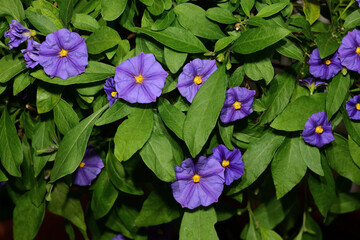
[[328, 62], [225, 163], [82, 164], [197, 80], [196, 178], [237, 105], [139, 79], [357, 106], [113, 94], [319, 130], [357, 50], [63, 53]]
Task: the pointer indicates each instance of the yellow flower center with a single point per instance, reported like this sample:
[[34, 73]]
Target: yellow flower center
[[357, 50], [357, 106], [197, 80], [225, 163], [237, 105], [196, 178], [113, 94], [139, 79], [82, 164], [319, 130], [63, 53], [328, 62]]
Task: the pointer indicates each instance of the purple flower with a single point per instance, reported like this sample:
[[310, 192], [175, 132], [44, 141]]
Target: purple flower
[[31, 53], [318, 130], [89, 168], [3, 183], [358, 1], [231, 161], [17, 34], [193, 76], [119, 237], [199, 184], [110, 90], [324, 68], [311, 82], [238, 104], [140, 79], [63, 54], [353, 107], [349, 51]]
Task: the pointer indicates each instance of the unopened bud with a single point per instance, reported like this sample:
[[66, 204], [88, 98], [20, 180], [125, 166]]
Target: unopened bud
[[220, 57]]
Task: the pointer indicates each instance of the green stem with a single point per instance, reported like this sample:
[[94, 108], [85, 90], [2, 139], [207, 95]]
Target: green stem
[[347, 7], [355, 90]]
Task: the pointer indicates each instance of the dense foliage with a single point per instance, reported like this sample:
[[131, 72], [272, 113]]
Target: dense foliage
[[167, 119]]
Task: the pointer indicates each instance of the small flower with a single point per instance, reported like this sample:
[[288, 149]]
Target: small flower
[[89, 168], [353, 107], [63, 54], [193, 76], [231, 162], [324, 68], [318, 130], [31, 53], [119, 237], [311, 83], [17, 34], [349, 51], [198, 184], [238, 104], [110, 90], [140, 79], [3, 183]]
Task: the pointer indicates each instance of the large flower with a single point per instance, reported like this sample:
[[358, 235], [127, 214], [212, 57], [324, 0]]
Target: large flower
[[198, 184], [231, 161], [63, 54], [324, 68], [193, 76], [31, 53], [238, 104], [318, 130], [17, 34], [349, 51], [353, 107], [110, 90], [89, 168], [140, 79]]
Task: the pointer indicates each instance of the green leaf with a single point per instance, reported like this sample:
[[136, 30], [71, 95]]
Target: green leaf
[[10, 66], [267, 234], [352, 20], [104, 195], [259, 67], [47, 97], [256, 159], [133, 133], [95, 71], [322, 189], [172, 117], [188, 14], [119, 177], [204, 111], [198, 224], [237, 77], [223, 43], [43, 23], [112, 9], [226, 132], [278, 95], [312, 10], [72, 148], [345, 203], [27, 218], [156, 8], [271, 9], [221, 15], [327, 44], [10, 145], [118, 110], [289, 49], [311, 156], [65, 117], [174, 60], [102, 39], [176, 38], [352, 127], [256, 39], [21, 82], [85, 22], [157, 209], [164, 21], [289, 160], [12, 8], [337, 90], [295, 115], [354, 149], [339, 159], [65, 205], [66, 10], [27, 169], [157, 153], [247, 5]]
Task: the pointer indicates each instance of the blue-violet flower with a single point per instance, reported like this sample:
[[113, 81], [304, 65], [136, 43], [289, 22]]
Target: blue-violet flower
[[119, 237], [31, 53], [17, 34], [349, 51], [353, 107], [110, 91], [193, 76], [324, 68], [198, 184]]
